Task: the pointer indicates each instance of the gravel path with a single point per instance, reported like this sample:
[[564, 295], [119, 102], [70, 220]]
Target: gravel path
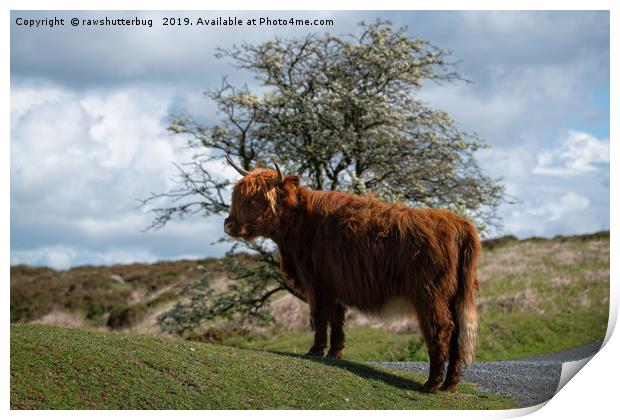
[[532, 380]]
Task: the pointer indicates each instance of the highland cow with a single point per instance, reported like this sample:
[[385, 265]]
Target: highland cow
[[345, 251]]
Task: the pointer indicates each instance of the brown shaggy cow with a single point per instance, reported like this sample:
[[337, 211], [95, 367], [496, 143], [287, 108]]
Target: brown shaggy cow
[[342, 250]]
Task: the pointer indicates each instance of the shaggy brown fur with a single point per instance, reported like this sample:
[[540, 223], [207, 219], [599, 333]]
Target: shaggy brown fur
[[344, 251]]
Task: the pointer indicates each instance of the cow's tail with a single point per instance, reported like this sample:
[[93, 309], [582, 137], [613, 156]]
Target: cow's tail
[[467, 313]]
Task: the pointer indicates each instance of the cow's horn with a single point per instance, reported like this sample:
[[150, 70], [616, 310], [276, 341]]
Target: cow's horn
[[242, 171], [280, 176]]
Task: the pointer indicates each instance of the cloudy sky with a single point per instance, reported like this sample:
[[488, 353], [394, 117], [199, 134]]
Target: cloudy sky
[[89, 110]]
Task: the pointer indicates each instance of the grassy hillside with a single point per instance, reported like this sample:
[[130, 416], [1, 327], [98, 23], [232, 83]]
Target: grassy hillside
[[536, 296], [54, 367], [93, 292], [543, 295], [502, 337]]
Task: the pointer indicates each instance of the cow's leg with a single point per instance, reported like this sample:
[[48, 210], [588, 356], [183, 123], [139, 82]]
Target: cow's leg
[[436, 325], [319, 314], [336, 339], [455, 363]]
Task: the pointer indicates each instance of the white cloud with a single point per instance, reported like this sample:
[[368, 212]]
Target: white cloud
[[489, 114], [551, 205], [79, 165], [95, 152], [509, 163], [62, 257], [578, 153], [567, 203], [32, 96], [546, 213]]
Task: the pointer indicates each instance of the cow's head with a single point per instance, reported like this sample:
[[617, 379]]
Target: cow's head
[[259, 201]]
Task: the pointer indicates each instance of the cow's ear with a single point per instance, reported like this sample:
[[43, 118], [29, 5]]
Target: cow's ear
[[288, 190], [292, 181]]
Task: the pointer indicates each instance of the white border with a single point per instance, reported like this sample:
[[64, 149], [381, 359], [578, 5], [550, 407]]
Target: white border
[[592, 393]]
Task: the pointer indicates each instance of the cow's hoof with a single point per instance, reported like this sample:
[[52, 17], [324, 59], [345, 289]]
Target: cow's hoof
[[336, 354], [448, 386], [314, 353], [430, 388]]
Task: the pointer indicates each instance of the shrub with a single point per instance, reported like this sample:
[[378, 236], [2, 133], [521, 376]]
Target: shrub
[[126, 317], [216, 335]]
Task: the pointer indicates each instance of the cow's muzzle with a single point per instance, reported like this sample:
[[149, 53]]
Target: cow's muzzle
[[229, 227]]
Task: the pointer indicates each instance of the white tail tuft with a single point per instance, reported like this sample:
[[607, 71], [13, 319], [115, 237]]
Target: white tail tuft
[[468, 333]]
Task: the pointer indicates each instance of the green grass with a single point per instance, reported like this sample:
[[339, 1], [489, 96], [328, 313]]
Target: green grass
[[363, 344], [53, 367], [505, 337], [502, 337]]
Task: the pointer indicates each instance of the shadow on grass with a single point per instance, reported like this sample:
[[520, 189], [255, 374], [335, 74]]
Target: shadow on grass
[[359, 369]]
